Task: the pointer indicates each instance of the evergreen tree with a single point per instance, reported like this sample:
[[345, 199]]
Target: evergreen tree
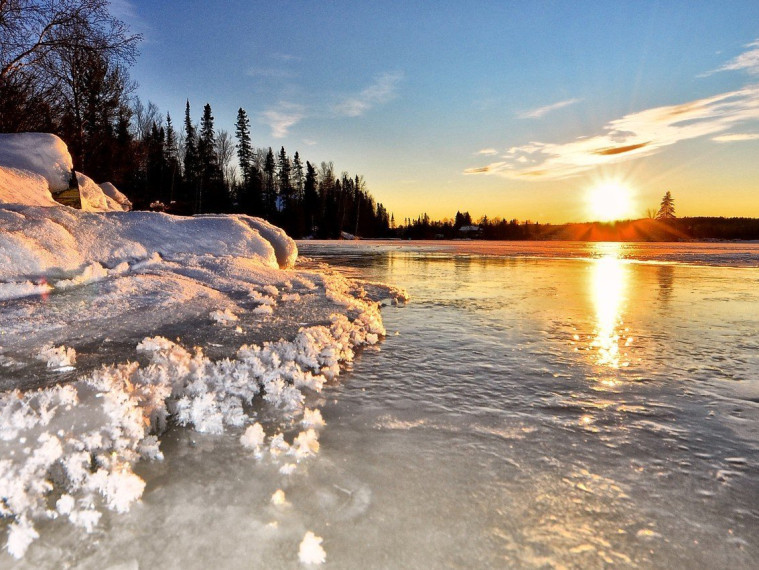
[[244, 147], [283, 170], [310, 199], [297, 176], [667, 208], [191, 160], [212, 195], [172, 158], [269, 190]]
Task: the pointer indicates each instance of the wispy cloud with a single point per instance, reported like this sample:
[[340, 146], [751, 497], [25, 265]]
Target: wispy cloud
[[543, 111], [270, 72], [747, 61], [487, 151], [632, 136], [127, 12], [282, 117], [384, 89], [736, 137]]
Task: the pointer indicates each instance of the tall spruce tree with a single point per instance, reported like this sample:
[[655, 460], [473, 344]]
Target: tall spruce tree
[[244, 146], [212, 196], [270, 191], [191, 161], [311, 199], [297, 176], [667, 208]]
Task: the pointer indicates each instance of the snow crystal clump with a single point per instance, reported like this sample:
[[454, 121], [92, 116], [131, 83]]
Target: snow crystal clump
[[312, 418], [253, 438], [58, 357], [311, 551], [224, 317], [278, 498]]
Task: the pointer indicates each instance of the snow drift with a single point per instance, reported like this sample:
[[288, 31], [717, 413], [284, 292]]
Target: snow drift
[[93, 383], [40, 153], [34, 165]]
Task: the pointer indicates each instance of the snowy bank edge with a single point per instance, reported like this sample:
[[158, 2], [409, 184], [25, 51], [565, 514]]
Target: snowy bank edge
[[93, 467]]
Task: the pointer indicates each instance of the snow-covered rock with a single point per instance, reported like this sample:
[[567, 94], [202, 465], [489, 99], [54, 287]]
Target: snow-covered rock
[[24, 187], [93, 197], [40, 153], [112, 192]]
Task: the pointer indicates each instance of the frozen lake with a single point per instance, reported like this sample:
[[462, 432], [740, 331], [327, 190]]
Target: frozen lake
[[554, 405], [534, 405]]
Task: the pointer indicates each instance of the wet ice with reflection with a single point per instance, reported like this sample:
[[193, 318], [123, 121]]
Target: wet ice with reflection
[[549, 405]]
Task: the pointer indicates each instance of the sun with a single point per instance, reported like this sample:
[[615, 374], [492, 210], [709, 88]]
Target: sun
[[609, 201]]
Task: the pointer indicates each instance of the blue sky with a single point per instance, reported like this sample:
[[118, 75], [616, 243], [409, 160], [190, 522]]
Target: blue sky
[[512, 109]]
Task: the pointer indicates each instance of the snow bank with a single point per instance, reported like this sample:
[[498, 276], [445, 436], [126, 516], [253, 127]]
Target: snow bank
[[24, 187], [61, 243], [112, 192], [67, 452], [40, 153], [94, 199], [32, 165]]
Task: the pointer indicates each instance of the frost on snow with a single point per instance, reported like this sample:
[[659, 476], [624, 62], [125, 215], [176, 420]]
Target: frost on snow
[[311, 551], [82, 439]]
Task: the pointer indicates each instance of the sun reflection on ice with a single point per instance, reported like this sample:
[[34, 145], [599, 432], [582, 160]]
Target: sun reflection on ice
[[609, 280]]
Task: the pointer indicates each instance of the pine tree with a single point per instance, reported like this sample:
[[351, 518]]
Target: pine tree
[[191, 160], [244, 147], [171, 157], [297, 176], [310, 199], [667, 207], [270, 191], [283, 169]]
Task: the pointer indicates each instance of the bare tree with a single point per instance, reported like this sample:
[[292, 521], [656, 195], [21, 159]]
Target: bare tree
[[225, 150], [144, 118], [31, 30]]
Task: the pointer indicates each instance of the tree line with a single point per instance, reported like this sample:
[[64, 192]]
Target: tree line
[[64, 69]]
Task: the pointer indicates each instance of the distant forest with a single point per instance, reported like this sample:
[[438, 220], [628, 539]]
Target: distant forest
[[64, 70], [647, 229]]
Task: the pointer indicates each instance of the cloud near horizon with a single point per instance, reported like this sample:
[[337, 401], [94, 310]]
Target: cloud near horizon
[[632, 136], [543, 111], [736, 137], [384, 89], [282, 117]]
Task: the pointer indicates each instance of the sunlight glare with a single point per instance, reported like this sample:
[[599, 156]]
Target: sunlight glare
[[609, 282], [609, 201]]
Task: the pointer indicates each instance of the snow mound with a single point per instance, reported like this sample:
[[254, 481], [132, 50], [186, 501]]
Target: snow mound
[[94, 199], [112, 192], [62, 243], [24, 187], [40, 153]]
